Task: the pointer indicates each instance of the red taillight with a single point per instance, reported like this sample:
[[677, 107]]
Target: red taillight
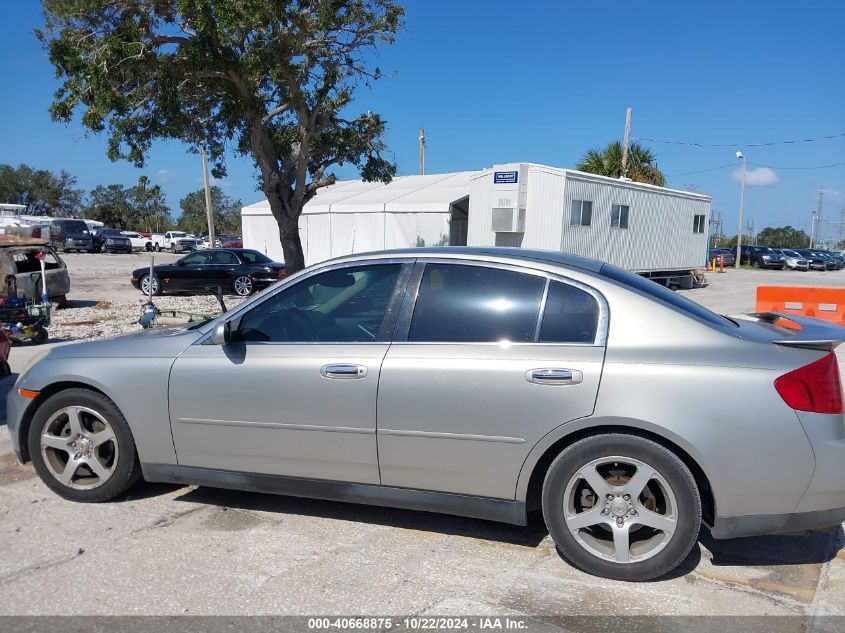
[[281, 272], [814, 387]]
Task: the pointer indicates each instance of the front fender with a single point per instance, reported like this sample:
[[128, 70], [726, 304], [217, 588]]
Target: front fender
[[138, 388]]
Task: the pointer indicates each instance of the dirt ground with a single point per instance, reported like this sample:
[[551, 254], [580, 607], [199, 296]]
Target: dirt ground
[[192, 550]]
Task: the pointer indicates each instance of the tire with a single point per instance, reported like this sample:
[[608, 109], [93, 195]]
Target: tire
[[158, 248], [755, 263], [173, 248], [659, 550], [62, 302], [41, 336], [115, 457], [242, 286], [143, 282]]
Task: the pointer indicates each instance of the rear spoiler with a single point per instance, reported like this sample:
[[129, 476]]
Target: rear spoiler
[[809, 332]]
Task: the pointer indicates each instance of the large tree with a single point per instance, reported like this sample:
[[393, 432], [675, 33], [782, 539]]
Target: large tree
[[139, 207], [607, 161], [194, 218], [42, 191], [783, 237], [271, 78]]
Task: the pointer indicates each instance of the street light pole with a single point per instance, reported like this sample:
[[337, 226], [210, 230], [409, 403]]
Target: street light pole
[[741, 156]]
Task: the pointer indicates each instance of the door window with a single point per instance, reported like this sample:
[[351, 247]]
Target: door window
[[570, 316], [345, 305], [473, 304], [223, 257], [194, 259]]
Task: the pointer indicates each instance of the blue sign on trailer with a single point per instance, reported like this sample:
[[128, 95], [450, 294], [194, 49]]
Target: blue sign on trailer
[[505, 177]]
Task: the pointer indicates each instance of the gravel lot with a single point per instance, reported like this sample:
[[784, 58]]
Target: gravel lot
[[189, 550]]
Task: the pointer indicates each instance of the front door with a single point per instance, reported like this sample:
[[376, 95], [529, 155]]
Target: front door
[[493, 360], [295, 392]]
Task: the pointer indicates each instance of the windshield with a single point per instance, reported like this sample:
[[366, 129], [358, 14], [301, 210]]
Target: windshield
[[74, 227], [178, 234], [254, 257], [662, 293]]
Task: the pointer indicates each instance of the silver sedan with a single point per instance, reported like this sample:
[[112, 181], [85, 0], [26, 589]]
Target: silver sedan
[[481, 382]]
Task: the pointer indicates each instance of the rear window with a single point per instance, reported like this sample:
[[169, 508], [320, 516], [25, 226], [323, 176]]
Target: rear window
[[254, 257], [662, 293]]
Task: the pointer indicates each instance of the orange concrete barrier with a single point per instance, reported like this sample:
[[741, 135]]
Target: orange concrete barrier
[[827, 304]]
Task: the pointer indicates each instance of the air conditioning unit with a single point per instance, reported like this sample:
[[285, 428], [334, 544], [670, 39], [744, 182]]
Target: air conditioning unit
[[508, 220]]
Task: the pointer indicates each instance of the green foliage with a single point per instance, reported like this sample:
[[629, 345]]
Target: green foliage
[[227, 213], [139, 208], [42, 191], [783, 237], [273, 79], [642, 163]]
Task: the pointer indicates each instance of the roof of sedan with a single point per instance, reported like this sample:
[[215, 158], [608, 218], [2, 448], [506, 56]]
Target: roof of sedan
[[549, 257]]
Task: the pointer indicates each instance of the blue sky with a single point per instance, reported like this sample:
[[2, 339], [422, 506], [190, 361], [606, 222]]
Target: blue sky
[[495, 81]]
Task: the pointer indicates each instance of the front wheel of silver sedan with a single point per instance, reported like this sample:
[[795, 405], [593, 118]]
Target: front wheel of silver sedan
[[82, 447], [621, 506]]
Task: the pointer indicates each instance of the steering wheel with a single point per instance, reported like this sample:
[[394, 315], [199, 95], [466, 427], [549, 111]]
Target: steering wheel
[[297, 326]]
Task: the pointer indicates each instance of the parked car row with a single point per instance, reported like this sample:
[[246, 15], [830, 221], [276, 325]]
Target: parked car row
[[759, 256]]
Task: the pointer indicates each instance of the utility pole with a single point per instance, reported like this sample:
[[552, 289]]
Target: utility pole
[[422, 152], [625, 141], [741, 156], [209, 212]]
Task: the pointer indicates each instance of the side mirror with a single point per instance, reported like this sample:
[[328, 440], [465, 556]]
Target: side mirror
[[221, 335]]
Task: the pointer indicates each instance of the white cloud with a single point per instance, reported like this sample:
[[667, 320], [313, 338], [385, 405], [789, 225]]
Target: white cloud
[[833, 196], [223, 183], [165, 176], [760, 177]]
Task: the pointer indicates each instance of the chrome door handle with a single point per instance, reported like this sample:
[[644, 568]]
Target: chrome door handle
[[554, 376], [343, 370]]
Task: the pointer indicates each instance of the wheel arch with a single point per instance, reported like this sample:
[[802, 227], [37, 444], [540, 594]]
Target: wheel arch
[[533, 473], [48, 391]]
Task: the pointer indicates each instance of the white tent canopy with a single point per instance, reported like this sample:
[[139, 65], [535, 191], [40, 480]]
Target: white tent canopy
[[352, 216]]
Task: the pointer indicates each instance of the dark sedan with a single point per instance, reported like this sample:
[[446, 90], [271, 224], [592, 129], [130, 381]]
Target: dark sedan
[[238, 271], [714, 253], [816, 259]]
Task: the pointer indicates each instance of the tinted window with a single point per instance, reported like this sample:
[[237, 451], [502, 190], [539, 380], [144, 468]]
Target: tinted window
[[72, 227], [662, 293], [254, 257], [581, 213], [470, 304], [347, 305], [571, 316], [193, 259], [223, 257]]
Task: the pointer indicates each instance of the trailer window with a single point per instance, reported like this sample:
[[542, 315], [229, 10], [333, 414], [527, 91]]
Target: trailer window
[[698, 224], [619, 216], [581, 213]]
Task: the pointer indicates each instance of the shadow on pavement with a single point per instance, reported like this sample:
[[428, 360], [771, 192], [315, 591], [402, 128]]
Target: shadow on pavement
[[5, 387], [811, 547], [529, 536]]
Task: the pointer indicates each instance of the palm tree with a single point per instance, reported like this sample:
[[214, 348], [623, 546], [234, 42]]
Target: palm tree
[[608, 162]]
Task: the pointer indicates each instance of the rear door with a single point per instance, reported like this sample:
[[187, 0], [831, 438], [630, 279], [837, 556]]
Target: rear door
[[493, 358], [220, 269]]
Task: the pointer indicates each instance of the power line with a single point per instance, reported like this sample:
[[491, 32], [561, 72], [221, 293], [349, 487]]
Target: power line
[[790, 142], [702, 171], [815, 167]]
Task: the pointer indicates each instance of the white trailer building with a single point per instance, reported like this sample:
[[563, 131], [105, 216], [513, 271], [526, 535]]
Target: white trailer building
[[652, 230]]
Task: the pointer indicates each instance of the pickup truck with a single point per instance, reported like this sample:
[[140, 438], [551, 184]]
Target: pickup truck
[[174, 241], [139, 242]]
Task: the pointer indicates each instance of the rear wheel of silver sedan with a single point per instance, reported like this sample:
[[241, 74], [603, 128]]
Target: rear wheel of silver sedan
[[621, 506], [82, 447]]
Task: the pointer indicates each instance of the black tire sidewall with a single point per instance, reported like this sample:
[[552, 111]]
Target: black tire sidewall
[[574, 457], [128, 469]]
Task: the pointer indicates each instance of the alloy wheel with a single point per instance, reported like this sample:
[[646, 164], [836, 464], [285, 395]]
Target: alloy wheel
[[145, 284], [242, 286], [79, 447], [620, 509]]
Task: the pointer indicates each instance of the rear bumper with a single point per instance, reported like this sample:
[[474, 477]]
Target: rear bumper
[[756, 525]]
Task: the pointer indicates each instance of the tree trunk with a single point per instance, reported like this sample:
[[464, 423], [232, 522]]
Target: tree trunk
[[288, 220]]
